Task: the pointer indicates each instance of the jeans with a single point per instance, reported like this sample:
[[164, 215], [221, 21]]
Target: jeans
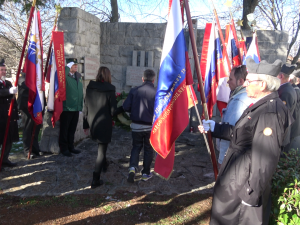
[[140, 139]]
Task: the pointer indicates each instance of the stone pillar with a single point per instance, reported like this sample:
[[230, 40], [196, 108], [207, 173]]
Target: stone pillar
[[81, 39]]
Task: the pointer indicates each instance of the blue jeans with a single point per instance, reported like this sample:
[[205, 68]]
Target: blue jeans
[[140, 140]]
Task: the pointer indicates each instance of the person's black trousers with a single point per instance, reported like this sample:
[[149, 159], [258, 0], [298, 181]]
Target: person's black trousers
[[27, 133], [101, 157], [68, 124]]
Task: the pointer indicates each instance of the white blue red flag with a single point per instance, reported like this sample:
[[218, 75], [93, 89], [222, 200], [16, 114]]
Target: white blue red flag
[[213, 70], [253, 51], [34, 71], [171, 114], [54, 102]]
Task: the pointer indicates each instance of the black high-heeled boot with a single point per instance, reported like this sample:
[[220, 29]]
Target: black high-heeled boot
[[96, 180]]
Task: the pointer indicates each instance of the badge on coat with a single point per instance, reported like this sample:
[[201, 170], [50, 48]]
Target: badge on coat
[[284, 102], [267, 131]]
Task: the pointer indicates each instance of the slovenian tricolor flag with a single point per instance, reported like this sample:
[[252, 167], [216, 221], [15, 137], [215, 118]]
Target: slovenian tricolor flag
[[213, 70], [33, 69], [171, 115], [253, 51], [54, 102]]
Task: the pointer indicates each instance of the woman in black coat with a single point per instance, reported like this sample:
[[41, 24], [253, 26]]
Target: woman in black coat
[[99, 106]]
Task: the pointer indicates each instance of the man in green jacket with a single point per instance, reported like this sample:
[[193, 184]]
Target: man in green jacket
[[72, 107]]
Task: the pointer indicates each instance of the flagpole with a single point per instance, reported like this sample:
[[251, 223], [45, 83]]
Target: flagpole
[[210, 146], [58, 9], [16, 82], [221, 35]]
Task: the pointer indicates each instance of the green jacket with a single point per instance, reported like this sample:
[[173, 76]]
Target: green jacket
[[74, 92]]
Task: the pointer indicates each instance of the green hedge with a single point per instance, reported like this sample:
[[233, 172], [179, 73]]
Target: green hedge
[[286, 191]]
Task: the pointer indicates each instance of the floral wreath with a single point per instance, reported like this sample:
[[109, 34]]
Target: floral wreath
[[122, 119]]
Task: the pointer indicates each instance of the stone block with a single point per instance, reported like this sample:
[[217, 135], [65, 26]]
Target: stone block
[[153, 43], [103, 35], [122, 27], [69, 49], [157, 53], [126, 51], [107, 59], [83, 26], [138, 43], [150, 58], [91, 67], [76, 39], [78, 13], [266, 36], [122, 61], [94, 49], [79, 51], [65, 12], [267, 45], [134, 58], [142, 58], [69, 25], [134, 75], [93, 38], [267, 51], [110, 50], [138, 32], [117, 72], [112, 26], [116, 38], [157, 63], [129, 29], [281, 51], [95, 28], [282, 36]]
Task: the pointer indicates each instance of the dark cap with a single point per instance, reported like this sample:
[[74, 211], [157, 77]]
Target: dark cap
[[263, 67], [288, 68], [74, 60], [2, 62]]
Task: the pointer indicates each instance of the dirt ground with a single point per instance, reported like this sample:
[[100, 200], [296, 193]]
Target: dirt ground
[[120, 208]]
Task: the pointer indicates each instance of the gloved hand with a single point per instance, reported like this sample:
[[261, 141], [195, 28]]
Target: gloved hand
[[209, 125], [13, 90]]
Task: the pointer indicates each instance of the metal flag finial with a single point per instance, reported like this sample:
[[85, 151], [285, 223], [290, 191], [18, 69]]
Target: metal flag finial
[[228, 3]]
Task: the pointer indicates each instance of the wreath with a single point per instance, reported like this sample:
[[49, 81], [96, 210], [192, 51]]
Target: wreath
[[122, 120]]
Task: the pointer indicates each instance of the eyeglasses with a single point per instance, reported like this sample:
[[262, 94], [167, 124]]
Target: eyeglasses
[[247, 82]]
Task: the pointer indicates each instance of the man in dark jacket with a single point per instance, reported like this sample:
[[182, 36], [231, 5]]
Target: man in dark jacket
[[242, 193], [140, 103], [288, 96], [295, 129], [22, 102], [7, 92], [73, 104]]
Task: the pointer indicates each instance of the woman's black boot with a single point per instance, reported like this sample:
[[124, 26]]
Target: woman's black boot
[[96, 180]]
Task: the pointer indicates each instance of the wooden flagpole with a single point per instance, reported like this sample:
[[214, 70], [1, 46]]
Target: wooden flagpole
[[221, 35], [203, 100], [58, 9], [16, 82]]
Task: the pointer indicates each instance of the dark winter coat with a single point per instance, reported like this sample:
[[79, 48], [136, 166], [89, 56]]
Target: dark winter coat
[[295, 129], [288, 96], [5, 99], [250, 162], [99, 106]]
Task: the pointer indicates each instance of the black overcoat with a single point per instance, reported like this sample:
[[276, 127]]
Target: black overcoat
[[289, 97], [249, 164], [5, 99], [295, 129], [99, 106]]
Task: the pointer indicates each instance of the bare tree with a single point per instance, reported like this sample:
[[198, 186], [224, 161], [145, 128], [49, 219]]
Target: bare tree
[[114, 11], [248, 7]]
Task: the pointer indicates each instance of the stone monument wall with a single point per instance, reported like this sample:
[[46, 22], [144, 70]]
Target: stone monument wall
[[82, 41]]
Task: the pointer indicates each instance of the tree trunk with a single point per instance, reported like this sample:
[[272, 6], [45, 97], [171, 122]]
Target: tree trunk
[[295, 59], [114, 11], [248, 7]]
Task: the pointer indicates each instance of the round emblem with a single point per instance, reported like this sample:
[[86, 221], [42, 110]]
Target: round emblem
[[267, 131], [284, 102]]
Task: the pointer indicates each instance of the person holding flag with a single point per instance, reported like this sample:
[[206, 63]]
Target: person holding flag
[[242, 193], [7, 92], [71, 108]]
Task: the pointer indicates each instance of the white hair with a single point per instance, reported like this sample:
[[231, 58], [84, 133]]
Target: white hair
[[293, 79], [273, 83]]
